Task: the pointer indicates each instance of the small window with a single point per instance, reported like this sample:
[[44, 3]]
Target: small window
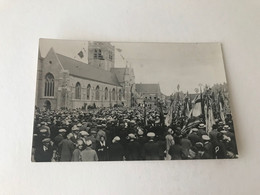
[[50, 62], [97, 93], [88, 91], [78, 91]]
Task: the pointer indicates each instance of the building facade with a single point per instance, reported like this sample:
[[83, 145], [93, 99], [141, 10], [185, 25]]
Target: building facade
[[148, 94], [63, 82]]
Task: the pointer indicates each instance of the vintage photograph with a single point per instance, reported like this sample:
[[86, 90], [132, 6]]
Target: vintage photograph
[[125, 101]]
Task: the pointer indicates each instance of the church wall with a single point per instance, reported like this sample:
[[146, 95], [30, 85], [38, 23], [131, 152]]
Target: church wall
[[101, 102], [50, 64]]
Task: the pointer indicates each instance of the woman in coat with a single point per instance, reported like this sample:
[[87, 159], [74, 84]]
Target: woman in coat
[[102, 149]]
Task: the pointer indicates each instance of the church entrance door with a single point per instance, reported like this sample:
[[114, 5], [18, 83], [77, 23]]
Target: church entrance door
[[47, 105]]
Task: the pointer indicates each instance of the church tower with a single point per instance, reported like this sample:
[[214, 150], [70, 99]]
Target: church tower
[[129, 85], [101, 55]]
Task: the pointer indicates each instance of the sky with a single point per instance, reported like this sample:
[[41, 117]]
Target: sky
[[169, 64]]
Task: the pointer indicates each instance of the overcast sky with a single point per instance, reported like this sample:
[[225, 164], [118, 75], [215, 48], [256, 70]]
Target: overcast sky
[[168, 64]]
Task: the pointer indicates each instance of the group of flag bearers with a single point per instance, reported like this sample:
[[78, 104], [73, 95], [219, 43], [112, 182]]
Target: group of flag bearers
[[190, 130]]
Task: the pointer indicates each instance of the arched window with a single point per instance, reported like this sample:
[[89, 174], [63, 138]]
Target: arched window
[[88, 91], [106, 93], [120, 94], [95, 54], [49, 85], [78, 91], [97, 93], [113, 94]]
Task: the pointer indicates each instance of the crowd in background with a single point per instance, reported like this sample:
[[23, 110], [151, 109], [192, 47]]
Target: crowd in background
[[117, 134]]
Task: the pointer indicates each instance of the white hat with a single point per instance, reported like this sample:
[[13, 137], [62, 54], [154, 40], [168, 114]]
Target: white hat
[[70, 135], [205, 137], [150, 134], [46, 140], [43, 130], [74, 128], [131, 136], [79, 125], [225, 127], [201, 125], [84, 133], [194, 130], [132, 121], [62, 130], [140, 132], [116, 139]]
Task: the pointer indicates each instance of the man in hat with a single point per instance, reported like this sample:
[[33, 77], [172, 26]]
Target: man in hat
[[208, 146], [219, 148], [151, 148], [175, 150], [89, 154], [93, 139], [100, 133], [66, 148], [116, 150], [201, 130], [59, 137], [76, 155], [45, 153], [83, 135], [141, 140], [186, 145], [75, 132], [133, 148], [169, 142], [193, 136], [37, 139]]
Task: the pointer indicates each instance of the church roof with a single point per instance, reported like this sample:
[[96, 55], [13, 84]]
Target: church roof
[[119, 73], [86, 71], [147, 88]]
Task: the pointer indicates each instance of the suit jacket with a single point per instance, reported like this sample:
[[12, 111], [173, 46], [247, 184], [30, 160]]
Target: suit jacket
[[186, 145], [133, 150], [193, 137], [66, 147], [57, 140], [89, 155], [151, 150], [176, 152], [43, 156], [116, 152]]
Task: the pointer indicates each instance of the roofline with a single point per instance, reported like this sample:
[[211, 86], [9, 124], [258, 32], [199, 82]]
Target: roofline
[[93, 80], [52, 50]]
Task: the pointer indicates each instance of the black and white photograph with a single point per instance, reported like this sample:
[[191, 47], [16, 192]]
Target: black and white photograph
[[115, 101]]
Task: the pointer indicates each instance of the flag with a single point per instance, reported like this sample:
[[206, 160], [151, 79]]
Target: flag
[[196, 110], [81, 54], [168, 118], [187, 105], [209, 118], [145, 116], [221, 109], [190, 123]]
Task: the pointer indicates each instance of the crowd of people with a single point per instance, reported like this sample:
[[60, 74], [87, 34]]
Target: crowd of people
[[118, 134]]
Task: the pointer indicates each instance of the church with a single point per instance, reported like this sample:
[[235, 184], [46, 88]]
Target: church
[[64, 82]]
